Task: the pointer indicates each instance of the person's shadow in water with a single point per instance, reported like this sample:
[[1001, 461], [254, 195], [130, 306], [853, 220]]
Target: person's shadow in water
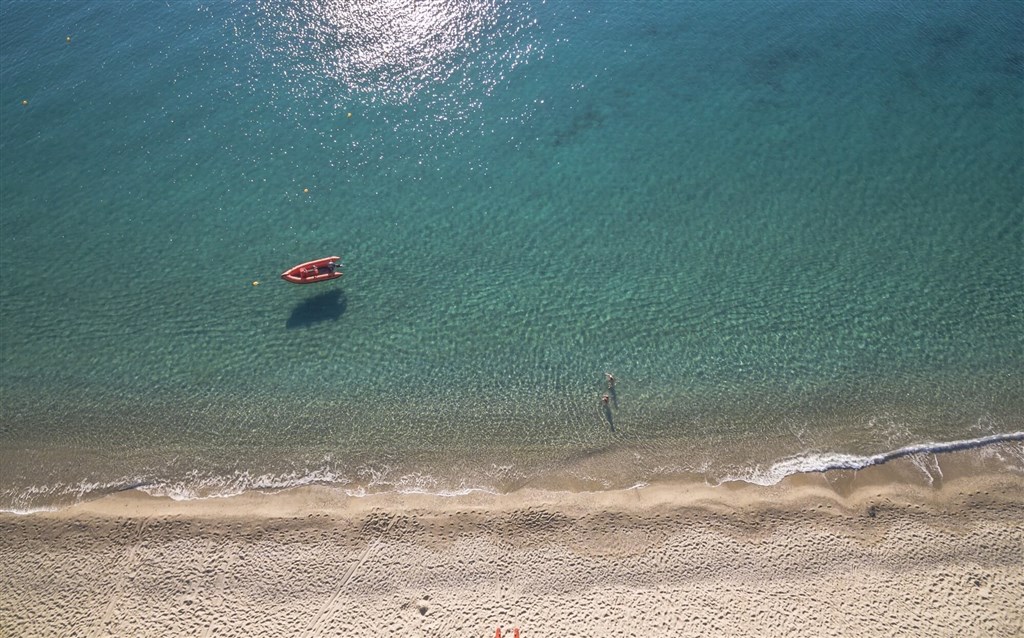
[[327, 306], [606, 410]]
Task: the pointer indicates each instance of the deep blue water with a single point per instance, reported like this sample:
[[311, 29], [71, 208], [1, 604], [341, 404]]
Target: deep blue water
[[791, 230]]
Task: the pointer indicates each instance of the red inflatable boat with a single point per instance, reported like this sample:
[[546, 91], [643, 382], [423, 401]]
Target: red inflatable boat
[[314, 271]]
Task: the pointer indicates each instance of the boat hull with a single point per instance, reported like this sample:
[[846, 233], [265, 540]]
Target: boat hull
[[312, 272]]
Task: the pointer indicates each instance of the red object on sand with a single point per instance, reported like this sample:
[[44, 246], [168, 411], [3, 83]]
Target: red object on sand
[[314, 271], [497, 634]]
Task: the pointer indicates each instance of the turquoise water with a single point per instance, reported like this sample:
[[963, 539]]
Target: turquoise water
[[794, 232]]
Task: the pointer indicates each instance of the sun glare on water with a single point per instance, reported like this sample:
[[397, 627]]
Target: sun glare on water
[[399, 48], [393, 50]]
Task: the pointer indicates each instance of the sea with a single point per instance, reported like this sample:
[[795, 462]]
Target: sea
[[791, 231]]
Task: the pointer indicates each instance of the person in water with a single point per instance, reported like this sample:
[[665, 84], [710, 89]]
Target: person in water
[[611, 379]]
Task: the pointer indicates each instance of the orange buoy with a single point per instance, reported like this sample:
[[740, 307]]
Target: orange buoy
[[515, 632], [497, 634]]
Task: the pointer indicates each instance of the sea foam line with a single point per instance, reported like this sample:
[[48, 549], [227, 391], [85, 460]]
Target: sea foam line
[[826, 462], [225, 487]]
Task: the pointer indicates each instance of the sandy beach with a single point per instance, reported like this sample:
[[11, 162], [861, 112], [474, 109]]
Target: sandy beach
[[885, 551]]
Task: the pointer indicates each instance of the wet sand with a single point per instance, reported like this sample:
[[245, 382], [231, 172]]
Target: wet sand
[[884, 551]]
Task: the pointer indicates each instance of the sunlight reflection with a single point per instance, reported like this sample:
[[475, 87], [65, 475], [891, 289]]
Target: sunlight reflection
[[391, 48]]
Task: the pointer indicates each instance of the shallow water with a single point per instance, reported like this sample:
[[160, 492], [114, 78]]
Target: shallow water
[[790, 230]]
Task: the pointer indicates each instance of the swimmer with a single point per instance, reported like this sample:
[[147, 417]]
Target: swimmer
[[611, 379]]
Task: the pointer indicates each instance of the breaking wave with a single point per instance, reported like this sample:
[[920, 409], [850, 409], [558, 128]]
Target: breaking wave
[[825, 462], [54, 497]]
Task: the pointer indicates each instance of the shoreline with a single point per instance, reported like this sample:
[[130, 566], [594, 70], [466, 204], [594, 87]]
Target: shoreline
[[579, 474], [902, 476], [871, 552]]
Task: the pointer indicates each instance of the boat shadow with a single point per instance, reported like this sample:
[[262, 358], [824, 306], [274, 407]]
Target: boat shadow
[[327, 306]]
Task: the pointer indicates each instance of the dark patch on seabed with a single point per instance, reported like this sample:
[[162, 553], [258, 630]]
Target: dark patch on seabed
[[946, 38], [1013, 65], [770, 68], [584, 120]]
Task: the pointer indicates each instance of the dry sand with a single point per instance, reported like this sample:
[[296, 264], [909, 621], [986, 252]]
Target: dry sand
[[873, 553]]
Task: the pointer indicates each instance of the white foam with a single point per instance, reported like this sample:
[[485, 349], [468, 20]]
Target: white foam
[[448, 493], [225, 487], [824, 462], [378, 480], [27, 511]]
